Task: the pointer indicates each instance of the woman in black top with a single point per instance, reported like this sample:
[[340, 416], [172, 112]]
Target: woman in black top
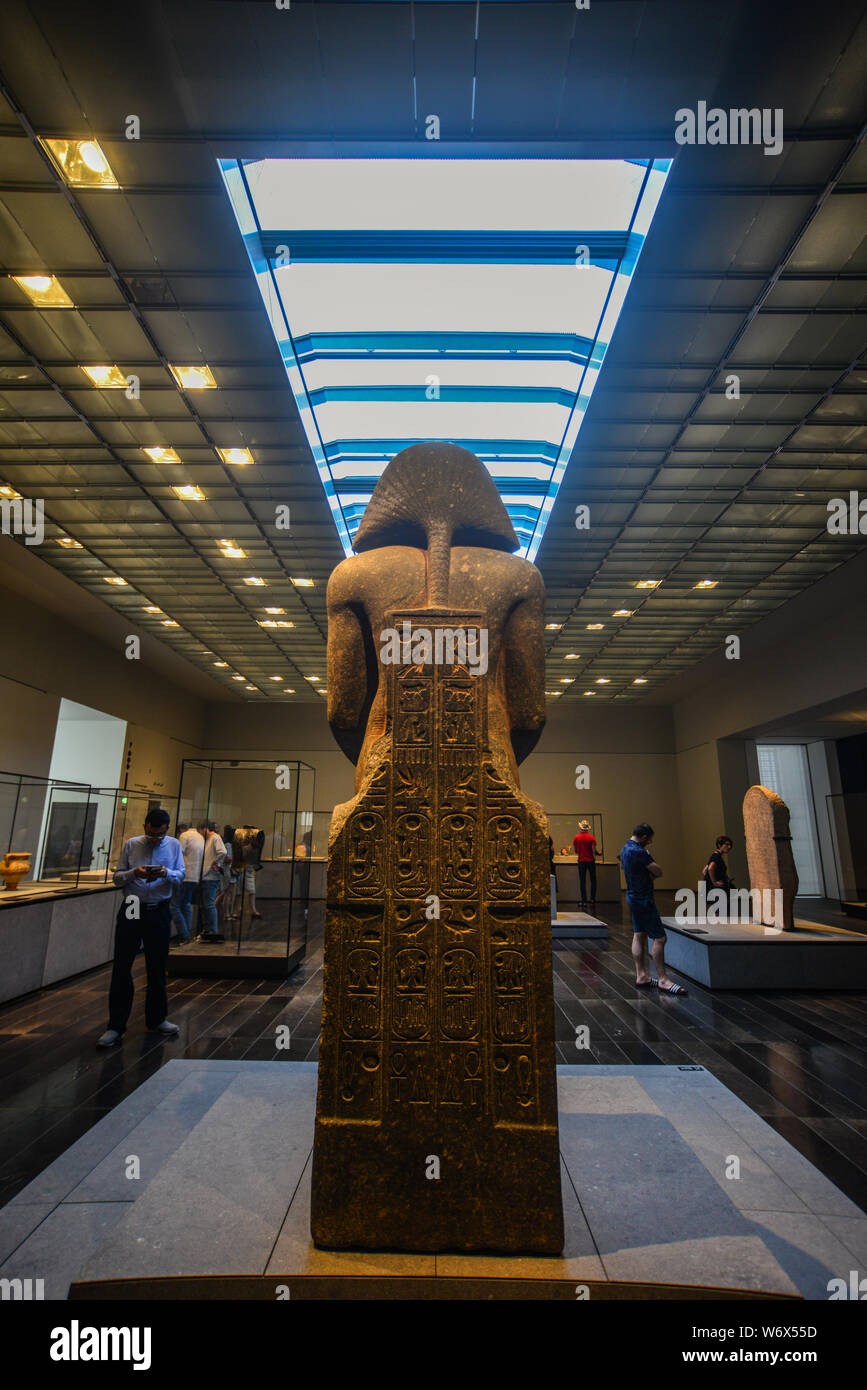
[[716, 874]]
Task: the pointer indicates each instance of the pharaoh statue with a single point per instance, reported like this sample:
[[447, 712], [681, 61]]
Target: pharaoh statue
[[436, 1118], [769, 856]]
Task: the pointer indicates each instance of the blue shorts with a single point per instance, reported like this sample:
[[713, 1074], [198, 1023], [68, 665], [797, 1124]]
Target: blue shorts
[[645, 916]]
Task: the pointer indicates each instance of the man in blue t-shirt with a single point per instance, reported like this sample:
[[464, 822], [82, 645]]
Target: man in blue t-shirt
[[639, 870]]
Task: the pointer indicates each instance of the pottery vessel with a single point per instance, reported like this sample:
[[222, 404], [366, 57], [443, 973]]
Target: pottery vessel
[[13, 867]]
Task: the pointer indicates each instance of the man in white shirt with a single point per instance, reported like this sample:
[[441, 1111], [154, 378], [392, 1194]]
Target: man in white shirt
[[214, 853], [192, 848]]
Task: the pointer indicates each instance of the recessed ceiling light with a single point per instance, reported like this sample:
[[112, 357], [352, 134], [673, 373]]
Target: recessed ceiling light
[[276, 678], [553, 692], [274, 622], [45, 291], [706, 584], [151, 609], [275, 610], [602, 680], [302, 583], [240, 457], [114, 579], [169, 622], [81, 162], [7, 491], [589, 692], [567, 680], [553, 627], [249, 687], [573, 656], [189, 492], [221, 663], [639, 680], [107, 377], [157, 454], [623, 613], [648, 583], [314, 679], [193, 378], [231, 551], [69, 543], [595, 627], [238, 678], [255, 581]]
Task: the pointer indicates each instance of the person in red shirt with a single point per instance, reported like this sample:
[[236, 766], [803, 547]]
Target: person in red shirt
[[584, 845]]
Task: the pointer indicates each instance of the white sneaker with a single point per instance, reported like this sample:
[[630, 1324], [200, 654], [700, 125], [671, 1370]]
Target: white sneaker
[[109, 1038], [168, 1029]]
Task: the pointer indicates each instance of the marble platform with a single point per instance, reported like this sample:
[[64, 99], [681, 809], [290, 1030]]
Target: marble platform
[[224, 1150], [747, 956], [578, 924]]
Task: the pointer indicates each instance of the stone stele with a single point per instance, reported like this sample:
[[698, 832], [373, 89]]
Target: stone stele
[[436, 1117], [769, 853]]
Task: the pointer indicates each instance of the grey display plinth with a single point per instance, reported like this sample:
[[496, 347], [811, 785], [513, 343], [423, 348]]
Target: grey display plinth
[[46, 937], [813, 956], [224, 1150], [578, 924]]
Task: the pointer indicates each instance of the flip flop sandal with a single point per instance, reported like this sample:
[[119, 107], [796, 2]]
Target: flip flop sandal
[[672, 989], [646, 984]]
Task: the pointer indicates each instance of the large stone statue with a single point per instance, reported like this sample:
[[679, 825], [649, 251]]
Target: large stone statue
[[436, 1118], [769, 857]]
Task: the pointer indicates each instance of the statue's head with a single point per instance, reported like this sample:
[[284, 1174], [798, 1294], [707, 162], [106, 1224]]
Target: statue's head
[[433, 496]]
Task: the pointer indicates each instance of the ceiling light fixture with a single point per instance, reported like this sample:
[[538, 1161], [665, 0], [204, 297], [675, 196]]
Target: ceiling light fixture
[[256, 582], [274, 622], [152, 609], [114, 579], [221, 663], [231, 551], [241, 458], [302, 583], [107, 378], [648, 583], [158, 454], [573, 656], [170, 622], [188, 492], [553, 627], [567, 680], [639, 680], [602, 680], [81, 162], [623, 613], [314, 679], [193, 378], [45, 291], [69, 543], [595, 627], [238, 678], [276, 678], [706, 584], [589, 692], [7, 491], [275, 610]]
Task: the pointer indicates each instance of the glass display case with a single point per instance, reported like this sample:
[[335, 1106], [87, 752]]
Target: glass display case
[[46, 833], [563, 827], [847, 817], [263, 811], [70, 833]]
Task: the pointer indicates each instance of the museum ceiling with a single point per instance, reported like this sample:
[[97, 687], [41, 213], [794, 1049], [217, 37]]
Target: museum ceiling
[[730, 407]]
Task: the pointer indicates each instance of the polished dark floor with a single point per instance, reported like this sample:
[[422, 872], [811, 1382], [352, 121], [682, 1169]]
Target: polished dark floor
[[798, 1059]]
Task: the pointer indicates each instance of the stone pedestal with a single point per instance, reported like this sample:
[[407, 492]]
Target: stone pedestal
[[436, 1125]]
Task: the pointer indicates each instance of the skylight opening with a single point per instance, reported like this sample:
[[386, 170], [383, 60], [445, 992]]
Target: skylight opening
[[469, 300]]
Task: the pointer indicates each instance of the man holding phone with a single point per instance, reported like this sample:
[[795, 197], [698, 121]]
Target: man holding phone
[[148, 868]]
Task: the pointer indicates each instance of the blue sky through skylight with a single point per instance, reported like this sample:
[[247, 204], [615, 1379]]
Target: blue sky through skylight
[[417, 299]]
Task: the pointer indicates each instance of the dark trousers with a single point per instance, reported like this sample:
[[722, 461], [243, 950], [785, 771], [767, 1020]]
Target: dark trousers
[[583, 870], [152, 930]]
